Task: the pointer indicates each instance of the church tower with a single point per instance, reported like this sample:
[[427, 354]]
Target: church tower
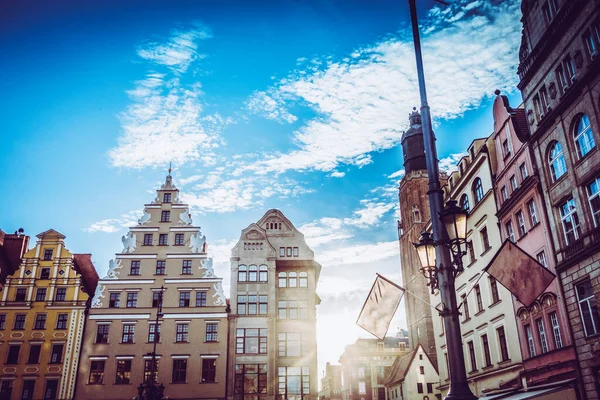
[[414, 214]]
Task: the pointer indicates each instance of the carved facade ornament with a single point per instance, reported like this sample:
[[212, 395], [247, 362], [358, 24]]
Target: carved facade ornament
[[524, 49], [113, 269], [145, 218], [530, 117], [207, 266], [185, 218], [197, 242], [552, 90], [128, 243], [254, 235], [98, 296], [219, 295]]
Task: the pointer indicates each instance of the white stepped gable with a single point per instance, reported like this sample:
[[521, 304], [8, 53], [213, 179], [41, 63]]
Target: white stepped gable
[[113, 269], [128, 242], [98, 296]]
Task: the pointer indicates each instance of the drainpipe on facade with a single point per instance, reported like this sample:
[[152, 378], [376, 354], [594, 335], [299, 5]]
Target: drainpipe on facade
[[88, 305]]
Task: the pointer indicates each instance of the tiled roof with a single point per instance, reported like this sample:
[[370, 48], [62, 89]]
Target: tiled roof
[[84, 265], [520, 123], [400, 367], [12, 248]]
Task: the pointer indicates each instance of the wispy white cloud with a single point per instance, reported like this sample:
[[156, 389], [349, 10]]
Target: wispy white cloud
[[359, 253], [337, 174], [112, 225], [361, 101], [450, 163], [398, 174]]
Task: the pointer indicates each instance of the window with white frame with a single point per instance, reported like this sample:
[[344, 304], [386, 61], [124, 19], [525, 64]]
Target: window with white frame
[[263, 273], [533, 217], [588, 309], [521, 222], [542, 334], [504, 193], [477, 189], [593, 192], [563, 83], [181, 334], [569, 66], [556, 161], [523, 171], [541, 257], [590, 44], [513, 183], [292, 344], [464, 202], [558, 344], [294, 382], [530, 342], [570, 221], [243, 273], [252, 273], [583, 136], [251, 341]]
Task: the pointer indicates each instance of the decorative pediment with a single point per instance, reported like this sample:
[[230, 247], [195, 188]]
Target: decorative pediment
[[254, 235]]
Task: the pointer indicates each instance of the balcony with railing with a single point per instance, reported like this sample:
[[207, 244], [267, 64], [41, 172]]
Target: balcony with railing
[[587, 244]]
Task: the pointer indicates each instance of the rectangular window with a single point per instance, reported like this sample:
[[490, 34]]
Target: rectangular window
[[513, 183], [422, 370], [131, 300], [186, 267], [155, 299], [263, 273], [96, 372], [250, 380], [163, 239], [486, 350], [27, 392], [34, 354], [561, 79], [295, 252], [6, 389], [590, 45], [251, 341], [472, 356], [478, 298], [148, 370], [502, 343], [570, 221], [40, 294], [179, 239], [167, 198], [282, 252], [541, 257], [179, 371], [135, 267], [588, 308], [56, 354], [282, 309], [209, 370], [123, 376], [471, 251], [102, 333], [504, 193], [61, 294], [530, 341], [494, 290], [19, 322], [252, 305], [293, 344], [242, 304], [542, 334], [148, 238], [161, 267], [45, 273], [51, 389], [303, 279], [263, 305], [211, 332], [430, 388], [13, 354], [510, 233], [153, 334], [419, 387], [21, 294], [165, 216], [484, 239], [506, 148], [2, 321], [549, 9], [465, 304], [62, 321], [293, 309], [569, 66], [294, 382], [47, 254], [533, 217], [252, 273], [593, 191], [544, 99], [537, 106], [288, 252], [128, 335], [521, 222], [184, 299], [282, 279], [200, 299], [182, 333], [558, 344], [114, 300], [523, 170]]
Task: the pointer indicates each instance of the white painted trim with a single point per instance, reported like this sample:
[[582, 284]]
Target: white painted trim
[[125, 357], [212, 321], [183, 206], [143, 229], [123, 256], [195, 316], [133, 290], [180, 357], [187, 255], [202, 289], [185, 289], [150, 357], [126, 282], [93, 358], [128, 321], [100, 317], [186, 321], [182, 229], [104, 323], [212, 356], [193, 280], [152, 206]]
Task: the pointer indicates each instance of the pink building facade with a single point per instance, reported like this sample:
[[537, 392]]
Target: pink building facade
[[544, 335]]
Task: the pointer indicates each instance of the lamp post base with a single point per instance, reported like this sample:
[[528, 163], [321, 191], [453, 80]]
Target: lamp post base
[[460, 394]]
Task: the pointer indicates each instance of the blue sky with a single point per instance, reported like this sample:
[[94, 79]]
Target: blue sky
[[296, 105]]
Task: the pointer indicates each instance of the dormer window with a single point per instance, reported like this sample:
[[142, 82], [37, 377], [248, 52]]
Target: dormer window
[[167, 198]]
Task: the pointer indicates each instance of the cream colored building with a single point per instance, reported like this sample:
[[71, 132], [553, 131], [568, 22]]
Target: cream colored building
[[164, 250], [413, 377], [488, 325], [273, 347]]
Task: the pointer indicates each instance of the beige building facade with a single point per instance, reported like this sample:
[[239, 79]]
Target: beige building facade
[[273, 348], [165, 250], [413, 377]]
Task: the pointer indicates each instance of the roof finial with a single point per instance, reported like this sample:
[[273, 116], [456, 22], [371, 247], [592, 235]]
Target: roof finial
[[169, 167]]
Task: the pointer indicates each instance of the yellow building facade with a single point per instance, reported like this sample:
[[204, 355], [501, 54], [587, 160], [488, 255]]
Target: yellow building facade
[[42, 314]]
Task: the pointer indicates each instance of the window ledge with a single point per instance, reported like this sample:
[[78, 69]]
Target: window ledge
[[505, 362], [582, 159], [485, 251], [465, 320], [522, 236], [494, 304], [480, 312], [487, 367]]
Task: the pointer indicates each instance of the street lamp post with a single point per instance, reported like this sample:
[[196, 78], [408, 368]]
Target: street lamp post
[[459, 386], [148, 390]]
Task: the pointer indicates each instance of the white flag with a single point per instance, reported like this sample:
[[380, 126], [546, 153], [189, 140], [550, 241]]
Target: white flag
[[380, 307]]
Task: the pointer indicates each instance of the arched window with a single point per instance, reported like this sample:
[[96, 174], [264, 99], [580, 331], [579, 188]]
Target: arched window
[[282, 279], [584, 137], [464, 202], [293, 280], [242, 273], [262, 273], [416, 214], [303, 279], [556, 160], [477, 190], [252, 273]]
